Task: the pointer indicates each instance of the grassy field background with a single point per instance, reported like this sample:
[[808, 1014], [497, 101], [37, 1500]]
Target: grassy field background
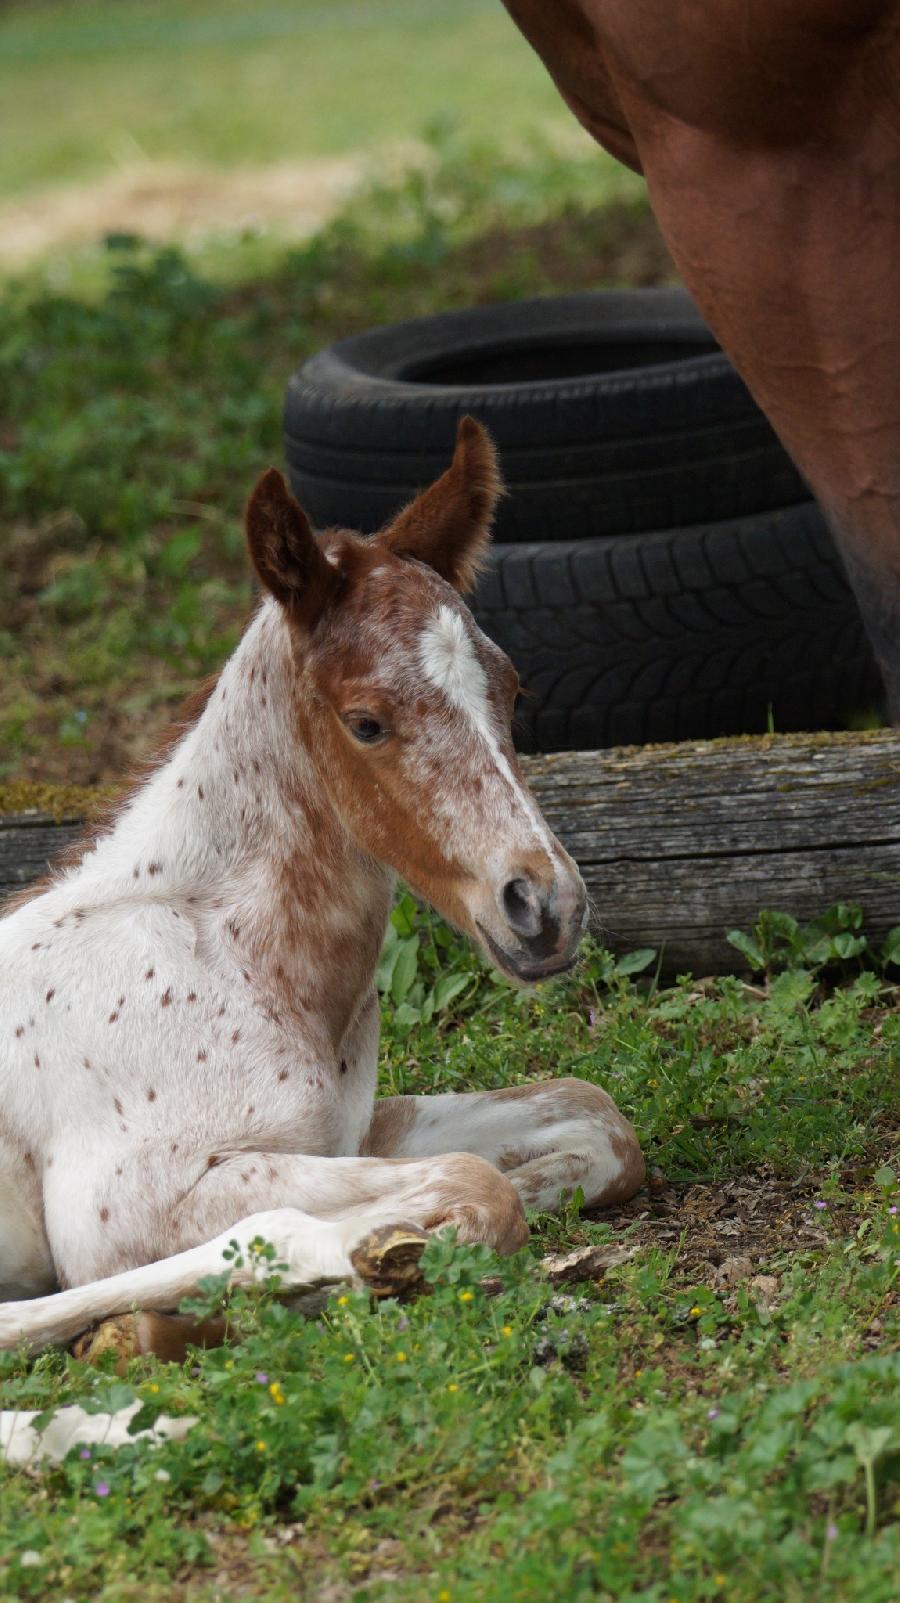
[[90, 85], [714, 1419]]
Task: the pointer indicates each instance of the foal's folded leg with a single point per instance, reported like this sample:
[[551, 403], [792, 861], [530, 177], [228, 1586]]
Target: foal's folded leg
[[327, 1218], [447, 1188], [314, 1251], [549, 1138]]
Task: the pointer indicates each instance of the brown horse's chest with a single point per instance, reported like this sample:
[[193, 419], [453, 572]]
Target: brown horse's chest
[[621, 64], [571, 40]]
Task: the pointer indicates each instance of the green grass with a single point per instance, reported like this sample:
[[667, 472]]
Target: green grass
[[674, 1430], [86, 88]]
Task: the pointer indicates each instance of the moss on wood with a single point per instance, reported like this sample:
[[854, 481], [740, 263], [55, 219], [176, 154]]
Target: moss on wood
[[59, 802]]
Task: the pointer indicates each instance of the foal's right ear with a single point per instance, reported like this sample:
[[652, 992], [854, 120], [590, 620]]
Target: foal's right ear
[[285, 552]]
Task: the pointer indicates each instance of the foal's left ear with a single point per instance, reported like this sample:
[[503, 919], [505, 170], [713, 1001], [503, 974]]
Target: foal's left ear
[[448, 526], [286, 554]]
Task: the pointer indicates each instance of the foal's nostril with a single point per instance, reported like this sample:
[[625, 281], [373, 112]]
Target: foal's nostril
[[522, 907]]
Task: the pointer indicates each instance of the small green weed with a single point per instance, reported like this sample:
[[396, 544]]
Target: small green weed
[[835, 942]]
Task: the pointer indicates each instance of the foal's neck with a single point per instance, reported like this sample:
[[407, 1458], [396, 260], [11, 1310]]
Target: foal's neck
[[238, 822]]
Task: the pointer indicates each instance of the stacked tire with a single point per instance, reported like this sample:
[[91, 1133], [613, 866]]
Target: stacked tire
[[659, 570]]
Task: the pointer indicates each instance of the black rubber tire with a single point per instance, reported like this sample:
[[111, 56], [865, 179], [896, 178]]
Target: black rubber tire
[[614, 412], [658, 572], [682, 634]]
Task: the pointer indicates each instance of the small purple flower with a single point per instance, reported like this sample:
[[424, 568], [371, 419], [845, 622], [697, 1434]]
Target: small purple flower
[[712, 1413], [831, 1532], [84, 1452], [592, 1018], [820, 1204], [403, 1322], [262, 1378], [102, 1488], [893, 1209], [374, 1484]]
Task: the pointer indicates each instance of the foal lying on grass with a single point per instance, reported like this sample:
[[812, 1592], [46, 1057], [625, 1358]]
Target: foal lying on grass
[[188, 1015]]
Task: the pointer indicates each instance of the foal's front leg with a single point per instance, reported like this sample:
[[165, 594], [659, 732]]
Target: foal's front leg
[[549, 1138], [216, 1189], [447, 1188], [326, 1217]]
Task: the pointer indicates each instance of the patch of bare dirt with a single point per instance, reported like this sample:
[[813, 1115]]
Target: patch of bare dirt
[[728, 1229], [185, 203]]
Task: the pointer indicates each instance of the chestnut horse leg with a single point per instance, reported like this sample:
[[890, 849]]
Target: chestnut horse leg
[[769, 135], [794, 259], [549, 1138]]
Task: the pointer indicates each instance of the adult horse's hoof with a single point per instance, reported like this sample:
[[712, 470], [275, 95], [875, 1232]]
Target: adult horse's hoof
[[387, 1260]]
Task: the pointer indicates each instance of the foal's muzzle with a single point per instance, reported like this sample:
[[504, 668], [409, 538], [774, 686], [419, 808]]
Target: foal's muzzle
[[543, 926]]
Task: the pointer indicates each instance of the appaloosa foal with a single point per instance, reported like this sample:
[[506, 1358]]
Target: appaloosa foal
[[188, 1020]]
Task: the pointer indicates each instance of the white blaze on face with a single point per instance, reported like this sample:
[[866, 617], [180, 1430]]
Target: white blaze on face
[[450, 663]]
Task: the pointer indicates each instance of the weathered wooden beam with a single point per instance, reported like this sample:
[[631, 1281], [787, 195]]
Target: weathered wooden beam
[[28, 844], [678, 844]]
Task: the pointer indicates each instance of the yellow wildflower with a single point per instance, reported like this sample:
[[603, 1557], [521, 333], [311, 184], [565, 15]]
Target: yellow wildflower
[[276, 1393], [695, 1311], [401, 1358], [349, 1357], [153, 1386], [453, 1386], [342, 1302], [260, 1447], [506, 1330], [444, 1596], [466, 1296]]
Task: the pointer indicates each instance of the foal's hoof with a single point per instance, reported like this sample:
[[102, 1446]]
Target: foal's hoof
[[167, 1336], [119, 1336], [387, 1260]]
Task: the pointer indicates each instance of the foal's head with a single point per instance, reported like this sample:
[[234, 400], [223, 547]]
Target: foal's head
[[406, 708]]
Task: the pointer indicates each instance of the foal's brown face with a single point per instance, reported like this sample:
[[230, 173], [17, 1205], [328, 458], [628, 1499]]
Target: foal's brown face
[[410, 709]]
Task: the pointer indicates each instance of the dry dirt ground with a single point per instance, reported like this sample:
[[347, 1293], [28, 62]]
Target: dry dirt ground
[[184, 203]]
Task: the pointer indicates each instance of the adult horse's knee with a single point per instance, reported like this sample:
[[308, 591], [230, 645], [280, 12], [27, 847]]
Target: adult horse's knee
[[479, 1201]]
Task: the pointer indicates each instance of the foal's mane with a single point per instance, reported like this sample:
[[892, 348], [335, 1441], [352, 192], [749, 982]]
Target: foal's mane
[[71, 856]]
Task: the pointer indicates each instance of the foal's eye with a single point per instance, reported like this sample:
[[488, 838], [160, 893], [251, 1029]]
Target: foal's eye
[[368, 731]]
